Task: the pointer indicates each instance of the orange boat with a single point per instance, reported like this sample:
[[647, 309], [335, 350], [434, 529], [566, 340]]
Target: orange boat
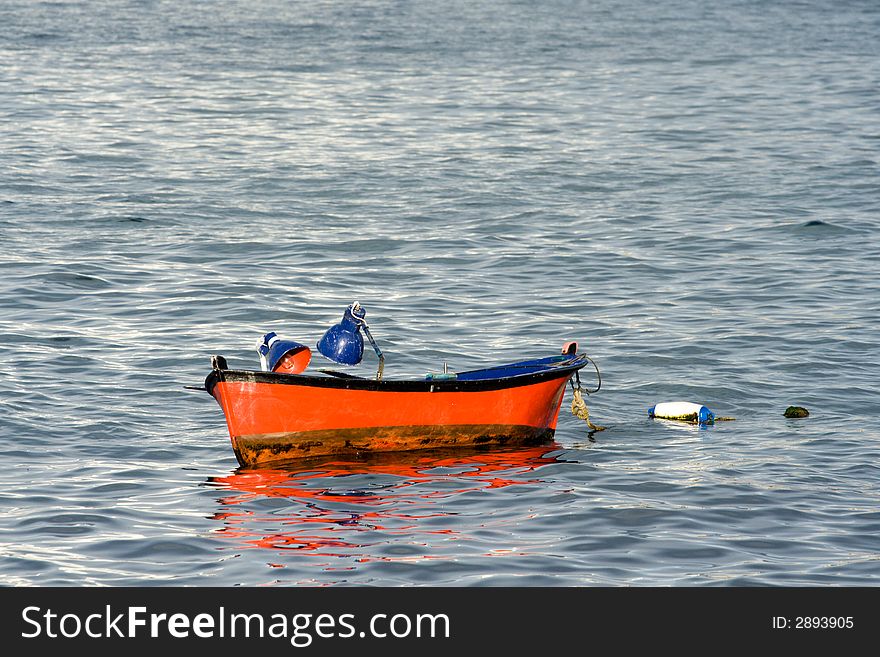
[[273, 416], [280, 414]]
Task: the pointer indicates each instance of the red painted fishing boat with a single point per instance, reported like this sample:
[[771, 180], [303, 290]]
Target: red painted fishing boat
[[280, 413]]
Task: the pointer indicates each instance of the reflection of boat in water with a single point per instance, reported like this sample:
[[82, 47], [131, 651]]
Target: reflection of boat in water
[[280, 414], [336, 507]]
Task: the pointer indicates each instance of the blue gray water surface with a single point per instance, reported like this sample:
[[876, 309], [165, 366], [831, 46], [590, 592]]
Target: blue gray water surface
[[690, 189]]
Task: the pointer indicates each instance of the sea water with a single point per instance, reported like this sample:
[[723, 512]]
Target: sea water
[[689, 189]]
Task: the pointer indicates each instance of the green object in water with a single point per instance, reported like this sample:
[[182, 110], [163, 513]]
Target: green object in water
[[796, 411]]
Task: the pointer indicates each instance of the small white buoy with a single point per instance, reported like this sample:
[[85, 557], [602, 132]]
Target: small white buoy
[[683, 411]]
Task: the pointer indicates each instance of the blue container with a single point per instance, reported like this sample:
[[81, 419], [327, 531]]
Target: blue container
[[343, 342], [273, 349]]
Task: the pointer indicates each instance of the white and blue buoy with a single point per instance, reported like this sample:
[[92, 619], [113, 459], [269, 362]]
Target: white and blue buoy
[[682, 411]]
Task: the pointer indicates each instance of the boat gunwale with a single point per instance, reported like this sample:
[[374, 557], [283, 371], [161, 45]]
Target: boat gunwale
[[563, 370]]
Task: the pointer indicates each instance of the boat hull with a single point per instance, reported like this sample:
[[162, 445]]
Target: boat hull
[[273, 417], [255, 449]]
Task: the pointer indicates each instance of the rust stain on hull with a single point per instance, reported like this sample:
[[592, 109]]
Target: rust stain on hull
[[263, 448]]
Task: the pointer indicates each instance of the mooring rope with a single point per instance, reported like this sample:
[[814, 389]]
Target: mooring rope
[[579, 409], [578, 405]]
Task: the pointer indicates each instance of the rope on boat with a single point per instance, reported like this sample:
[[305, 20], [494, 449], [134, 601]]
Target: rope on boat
[[578, 405], [579, 409], [598, 376]]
